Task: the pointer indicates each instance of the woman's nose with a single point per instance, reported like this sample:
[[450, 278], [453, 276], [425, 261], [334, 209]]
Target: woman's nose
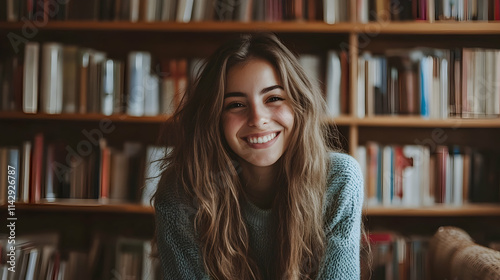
[[258, 115]]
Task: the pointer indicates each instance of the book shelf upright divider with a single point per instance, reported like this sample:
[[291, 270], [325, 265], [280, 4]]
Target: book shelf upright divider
[[353, 89]]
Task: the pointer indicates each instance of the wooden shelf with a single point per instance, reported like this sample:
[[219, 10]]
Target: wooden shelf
[[470, 210], [406, 121], [86, 206], [209, 26], [89, 206], [378, 121], [426, 28], [406, 27], [83, 117]]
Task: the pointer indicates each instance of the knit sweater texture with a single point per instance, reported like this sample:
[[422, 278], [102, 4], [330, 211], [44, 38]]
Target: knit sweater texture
[[180, 254]]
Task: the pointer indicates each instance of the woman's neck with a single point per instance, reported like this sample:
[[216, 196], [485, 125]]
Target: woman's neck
[[259, 184]]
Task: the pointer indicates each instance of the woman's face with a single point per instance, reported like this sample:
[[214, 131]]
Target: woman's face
[[257, 117]]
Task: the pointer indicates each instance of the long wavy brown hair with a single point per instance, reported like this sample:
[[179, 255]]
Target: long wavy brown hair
[[204, 166]]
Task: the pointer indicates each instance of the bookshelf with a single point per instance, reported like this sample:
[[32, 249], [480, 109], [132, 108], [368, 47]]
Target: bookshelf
[[166, 40]]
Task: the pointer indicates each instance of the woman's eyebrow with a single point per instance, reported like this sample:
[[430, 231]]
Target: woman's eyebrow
[[241, 94], [268, 89]]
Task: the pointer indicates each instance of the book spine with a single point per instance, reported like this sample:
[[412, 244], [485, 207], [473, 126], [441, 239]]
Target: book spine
[[51, 91], [30, 77]]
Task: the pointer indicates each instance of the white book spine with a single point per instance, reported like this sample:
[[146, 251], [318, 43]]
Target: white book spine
[[387, 175], [184, 10], [458, 184], [139, 69], [361, 88], [489, 82], [333, 77], [444, 89], [152, 98], [30, 77], [329, 11], [52, 82], [108, 86]]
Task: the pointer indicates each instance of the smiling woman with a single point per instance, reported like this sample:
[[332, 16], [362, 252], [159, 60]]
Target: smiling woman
[[251, 190], [257, 120]]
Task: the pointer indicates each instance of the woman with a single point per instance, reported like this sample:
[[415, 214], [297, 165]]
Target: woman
[[250, 189]]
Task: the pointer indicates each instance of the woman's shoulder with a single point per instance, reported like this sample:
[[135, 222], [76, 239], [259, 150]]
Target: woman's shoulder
[[344, 174], [341, 164], [171, 199]]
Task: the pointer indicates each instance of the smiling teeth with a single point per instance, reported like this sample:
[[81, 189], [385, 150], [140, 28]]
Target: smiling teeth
[[262, 140]]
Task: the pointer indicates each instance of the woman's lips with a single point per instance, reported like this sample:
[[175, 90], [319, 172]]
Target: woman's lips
[[262, 140]]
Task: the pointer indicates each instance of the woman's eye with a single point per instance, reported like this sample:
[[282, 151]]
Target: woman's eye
[[275, 98], [234, 105]]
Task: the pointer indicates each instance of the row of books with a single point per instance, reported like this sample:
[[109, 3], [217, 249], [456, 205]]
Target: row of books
[[432, 83], [331, 11], [428, 10], [59, 78], [51, 170], [414, 176], [398, 257], [334, 81], [33, 254], [122, 257], [401, 257], [70, 79], [173, 10], [38, 257]]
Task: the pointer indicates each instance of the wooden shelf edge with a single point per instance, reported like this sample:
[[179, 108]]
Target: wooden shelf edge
[[83, 117], [377, 121], [205, 26], [434, 28], [470, 210], [381, 27], [80, 206], [413, 121]]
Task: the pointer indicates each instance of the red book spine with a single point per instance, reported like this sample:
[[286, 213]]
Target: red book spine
[[105, 169], [344, 83], [36, 169], [497, 9], [442, 158]]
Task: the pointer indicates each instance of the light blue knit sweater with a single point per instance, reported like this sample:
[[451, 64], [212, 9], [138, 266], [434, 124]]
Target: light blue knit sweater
[[180, 255]]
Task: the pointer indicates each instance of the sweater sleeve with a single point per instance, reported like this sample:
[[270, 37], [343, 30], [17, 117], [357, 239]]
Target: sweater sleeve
[[342, 217], [178, 249]]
